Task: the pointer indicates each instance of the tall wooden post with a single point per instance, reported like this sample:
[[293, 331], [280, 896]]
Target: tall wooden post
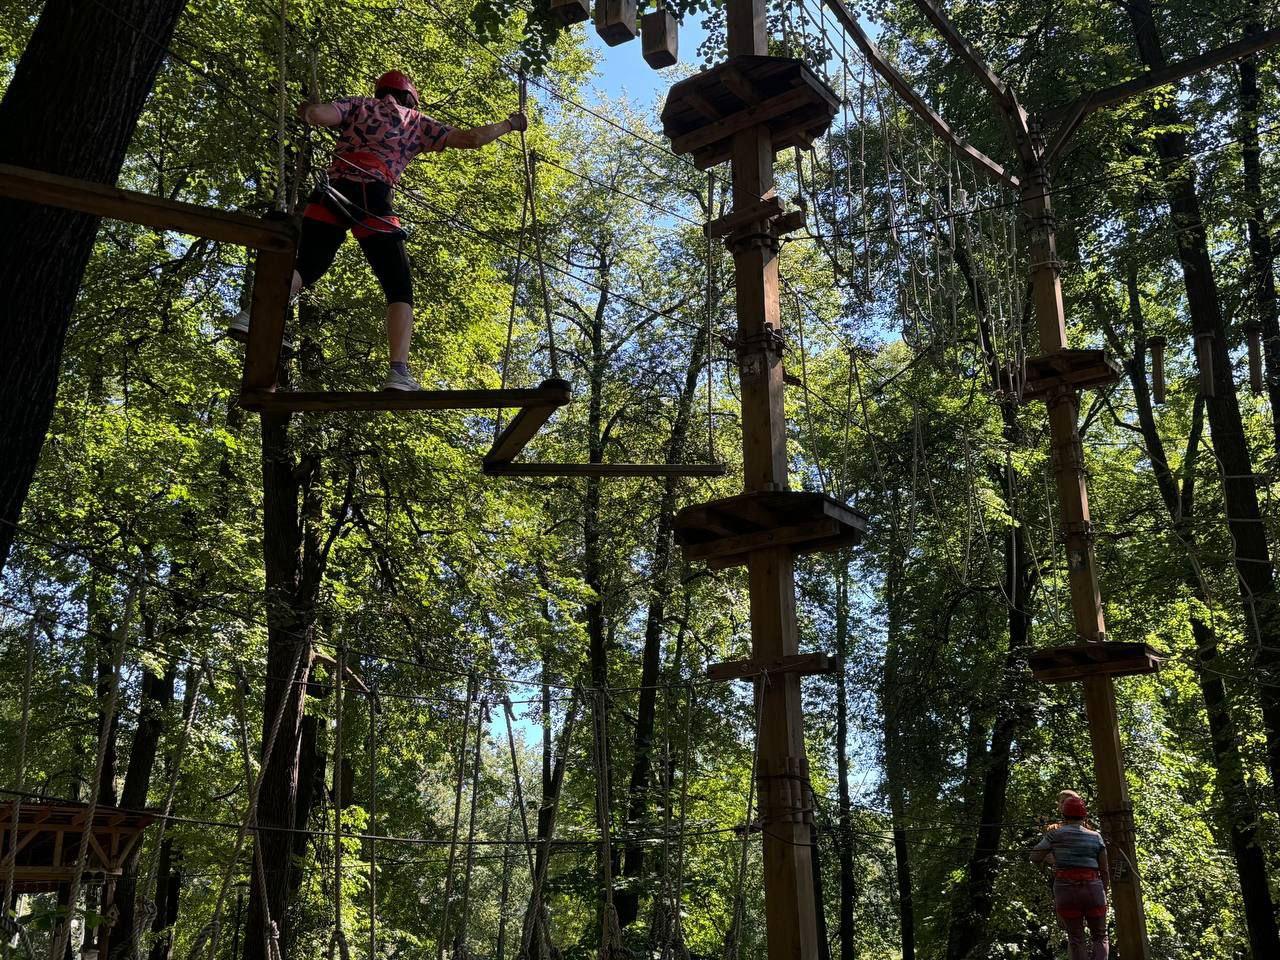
[[1116, 812], [783, 769]]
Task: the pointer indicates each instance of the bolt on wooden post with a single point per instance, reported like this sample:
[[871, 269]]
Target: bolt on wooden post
[[1063, 401]]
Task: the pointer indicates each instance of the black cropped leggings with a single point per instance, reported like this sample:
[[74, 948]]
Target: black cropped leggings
[[364, 208], [384, 251]]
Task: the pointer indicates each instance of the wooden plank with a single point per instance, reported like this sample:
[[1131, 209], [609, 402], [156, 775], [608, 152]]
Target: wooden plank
[[36, 186], [517, 434], [603, 470], [755, 116], [272, 276], [742, 544], [930, 117], [766, 209], [331, 401], [801, 663]]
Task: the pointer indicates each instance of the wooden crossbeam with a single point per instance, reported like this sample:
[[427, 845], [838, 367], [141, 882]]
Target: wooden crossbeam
[[605, 469], [329, 401], [765, 209], [735, 549], [272, 277], [36, 186], [517, 434], [801, 663]]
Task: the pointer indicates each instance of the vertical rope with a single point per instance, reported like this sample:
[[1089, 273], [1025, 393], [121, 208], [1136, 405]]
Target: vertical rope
[[531, 165], [282, 202], [374, 710], [339, 938], [457, 818], [15, 814], [519, 266], [610, 927], [249, 820], [194, 677], [711, 430], [515, 768], [59, 942], [540, 874], [460, 945], [731, 944]]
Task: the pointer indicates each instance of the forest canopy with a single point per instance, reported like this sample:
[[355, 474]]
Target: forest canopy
[[356, 694]]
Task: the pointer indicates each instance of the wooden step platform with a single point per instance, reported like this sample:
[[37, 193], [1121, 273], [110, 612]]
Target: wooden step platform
[[548, 469], [1072, 369], [48, 841], [703, 113], [552, 394], [1078, 661], [725, 532]]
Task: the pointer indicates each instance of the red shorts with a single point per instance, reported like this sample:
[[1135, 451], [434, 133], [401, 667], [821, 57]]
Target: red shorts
[[1079, 893]]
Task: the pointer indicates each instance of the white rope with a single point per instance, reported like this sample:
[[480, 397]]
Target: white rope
[[58, 943]]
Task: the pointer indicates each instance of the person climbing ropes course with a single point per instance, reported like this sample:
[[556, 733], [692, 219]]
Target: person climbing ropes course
[[378, 136], [1081, 877]]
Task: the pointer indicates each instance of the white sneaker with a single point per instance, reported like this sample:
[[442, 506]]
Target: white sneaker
[[400, 381], [238, 330]]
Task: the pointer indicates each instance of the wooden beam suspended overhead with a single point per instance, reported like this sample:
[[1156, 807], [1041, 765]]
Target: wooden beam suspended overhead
[[1068, 117], [967, 53], [602, 470], [975, 157], [36, 186]]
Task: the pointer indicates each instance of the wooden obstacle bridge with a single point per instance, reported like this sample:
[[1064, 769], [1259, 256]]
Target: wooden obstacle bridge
[[43, 845]]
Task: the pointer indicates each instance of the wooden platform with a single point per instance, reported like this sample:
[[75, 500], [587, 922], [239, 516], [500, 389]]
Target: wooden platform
[[48, 840], [551, 394], [1070, 369], [703, 113], [499, 468], [725, 532], [1078, 661]]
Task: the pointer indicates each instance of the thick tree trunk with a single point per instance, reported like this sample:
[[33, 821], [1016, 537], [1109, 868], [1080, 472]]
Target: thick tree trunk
[[1255, 573], [894, 753], [291, 596], [97, 62], [627, 900], [848, 880], [975, 897], [1262, 280], [1238, 807], [168, 895]]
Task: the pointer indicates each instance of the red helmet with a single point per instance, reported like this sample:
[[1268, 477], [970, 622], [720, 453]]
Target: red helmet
[[1074, 807], [395, 80]]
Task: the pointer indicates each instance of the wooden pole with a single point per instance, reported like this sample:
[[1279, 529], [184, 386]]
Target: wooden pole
[[785, 805], [1116, 812], [1157, 345]]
